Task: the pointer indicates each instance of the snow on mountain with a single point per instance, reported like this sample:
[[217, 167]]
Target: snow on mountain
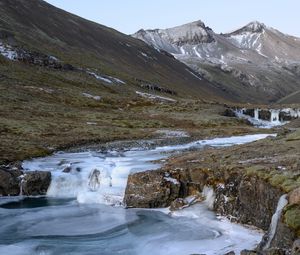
[[254, 56]]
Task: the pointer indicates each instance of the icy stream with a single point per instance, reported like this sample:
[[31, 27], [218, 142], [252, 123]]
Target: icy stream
[[82, 213]]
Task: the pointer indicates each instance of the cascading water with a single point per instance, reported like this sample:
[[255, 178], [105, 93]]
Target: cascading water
[[275, 218], [275, 116], [94, 177], [60, 224], [210, 196], [274, 120], [256, 114]]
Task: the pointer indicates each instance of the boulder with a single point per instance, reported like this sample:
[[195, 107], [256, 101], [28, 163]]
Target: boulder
[[9, 182], [229, 113], [296, 247], [230, 253], [264, 115], [248, 252], [178, 203], [283, 116], [151, 189], [294, 196], [249, 112], [36, 183]]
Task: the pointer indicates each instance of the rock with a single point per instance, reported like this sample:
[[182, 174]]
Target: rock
[[229, 113], [283, 116], [282, 239], [9, 182], [249, 112], [294, 196], [177, 204], [151, 189], [248, 252], [264, 115], [180, 203], [296, 247], [230, 253], [274, 251], [36, 183], [67, 169]]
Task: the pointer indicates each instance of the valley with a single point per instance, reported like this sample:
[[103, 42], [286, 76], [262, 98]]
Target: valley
[[173, 141]]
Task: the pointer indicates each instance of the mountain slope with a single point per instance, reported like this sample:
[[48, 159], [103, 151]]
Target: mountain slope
[[67, 81], [37, 26], [255, 63]]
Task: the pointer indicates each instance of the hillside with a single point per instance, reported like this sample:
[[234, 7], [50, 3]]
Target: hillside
[[255, 63], [65, 80], [293, 98]]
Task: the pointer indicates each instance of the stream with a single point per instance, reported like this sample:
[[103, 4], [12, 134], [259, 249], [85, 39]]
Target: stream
[[83, 212]]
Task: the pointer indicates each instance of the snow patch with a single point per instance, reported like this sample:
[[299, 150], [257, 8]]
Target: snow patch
[[172, 180], [154, 97], [193, 74], [172, 133], [97, 98], [107, 79], [8, 52]]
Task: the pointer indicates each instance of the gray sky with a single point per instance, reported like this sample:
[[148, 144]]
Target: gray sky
[[128, 16]]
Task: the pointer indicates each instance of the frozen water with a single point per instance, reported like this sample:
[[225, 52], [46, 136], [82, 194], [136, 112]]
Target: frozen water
[[113, 169], [61, 224], [66, 227], [8, 52]]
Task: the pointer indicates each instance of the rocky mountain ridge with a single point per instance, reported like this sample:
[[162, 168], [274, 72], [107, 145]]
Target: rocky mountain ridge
[[255, 62]]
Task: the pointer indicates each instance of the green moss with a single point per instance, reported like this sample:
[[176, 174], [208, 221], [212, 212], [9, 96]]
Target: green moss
[[292, 218]]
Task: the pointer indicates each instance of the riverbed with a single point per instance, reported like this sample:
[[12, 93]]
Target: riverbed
[[83, 212]]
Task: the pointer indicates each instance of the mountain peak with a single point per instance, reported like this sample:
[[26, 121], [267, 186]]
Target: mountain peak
[[191, 33], [255, 26], [252, 27]]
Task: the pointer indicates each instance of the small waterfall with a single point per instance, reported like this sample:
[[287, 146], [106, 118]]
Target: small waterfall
[[94, 180], [21, 184], [256, 114], [274, 116], [275, 218], [210, 196]]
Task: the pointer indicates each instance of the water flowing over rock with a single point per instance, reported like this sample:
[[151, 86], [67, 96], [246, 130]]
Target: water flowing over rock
[[268, 118], [14, 181], [275, 219], [95, 180]]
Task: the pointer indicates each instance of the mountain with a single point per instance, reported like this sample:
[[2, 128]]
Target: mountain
[[65, 80], [255, 63], [37, 27]]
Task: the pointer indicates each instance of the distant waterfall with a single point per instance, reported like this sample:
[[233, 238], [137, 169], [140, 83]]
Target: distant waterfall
[[275, 116], [256, 114]]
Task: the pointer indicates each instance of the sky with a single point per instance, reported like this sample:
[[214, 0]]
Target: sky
[[128, 16]]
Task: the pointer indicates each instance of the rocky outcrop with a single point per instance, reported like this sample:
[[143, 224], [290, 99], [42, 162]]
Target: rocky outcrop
[[40, 59], [243, 198], [247, 199], [264, 115], [296, 247], [9, 181], [151, 189], [36, 183], [14, 181], [294, 197]]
